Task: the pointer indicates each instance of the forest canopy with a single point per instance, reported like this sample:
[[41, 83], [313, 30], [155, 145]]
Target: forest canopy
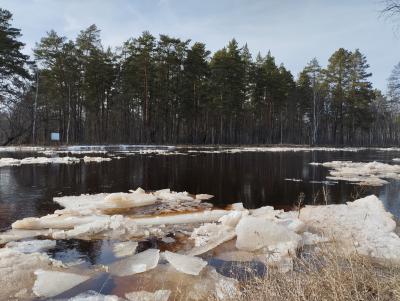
[[168, 90]]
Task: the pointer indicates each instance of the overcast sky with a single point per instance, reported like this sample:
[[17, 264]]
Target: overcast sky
[[294, 30]]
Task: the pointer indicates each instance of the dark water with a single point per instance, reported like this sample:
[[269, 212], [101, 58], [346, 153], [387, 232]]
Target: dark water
[[256, 179]]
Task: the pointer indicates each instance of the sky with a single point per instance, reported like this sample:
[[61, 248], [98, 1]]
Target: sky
[[295, 31]]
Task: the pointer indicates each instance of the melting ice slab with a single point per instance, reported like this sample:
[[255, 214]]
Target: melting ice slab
[[254, 233], [50, 283], [135, 264], [31, 246], [184, 263]]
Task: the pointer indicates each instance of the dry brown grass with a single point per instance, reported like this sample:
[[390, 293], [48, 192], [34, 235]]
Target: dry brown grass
[[329, 276]]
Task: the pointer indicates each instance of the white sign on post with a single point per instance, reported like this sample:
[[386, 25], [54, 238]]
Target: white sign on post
[[55, 136]]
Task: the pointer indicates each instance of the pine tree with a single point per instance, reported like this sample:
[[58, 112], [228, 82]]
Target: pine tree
[[13, 63]]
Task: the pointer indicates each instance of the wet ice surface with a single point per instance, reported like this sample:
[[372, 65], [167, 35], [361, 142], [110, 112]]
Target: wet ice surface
[[256, 177]]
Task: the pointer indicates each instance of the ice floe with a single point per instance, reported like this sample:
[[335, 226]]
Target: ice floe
[[51, 160], [31, 246], [52, 283], [17, 272], [87, 159], [186, 264], [126, 248], [135, 264], [371, 173], [293, 180]]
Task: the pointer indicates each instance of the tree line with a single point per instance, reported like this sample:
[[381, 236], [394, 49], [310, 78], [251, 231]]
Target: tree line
[[168, 90]]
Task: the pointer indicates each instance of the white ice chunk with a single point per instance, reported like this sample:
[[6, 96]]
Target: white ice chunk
[[267, 212], [17, 234], [138, 263], [189, 218], [129, 200], [112, 227], [82, 201], [53, 221], [203, 196], [254, 233], [371, 173], [17, 272], [184, 263], [88, 159], [159, 295], [224, 288], [363, 226], [51, 283], [125, 248], [31, 246], [232, 218], [209, 236], [9, 162], [168, 195]]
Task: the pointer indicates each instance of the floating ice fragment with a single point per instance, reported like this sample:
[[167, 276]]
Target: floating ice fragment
[[370, 174], [254, 233], [216, 285], [17, 234], [31, 246], [17, 272], [168, 195], [204, 197], [125, 248], [232, 218], [159, 295], [129, 200], [9, 162], [293, 180], [53, 221], [81, 202], [189, 218], [38, 160], [138, 263], [87, 159], [184, 263], [51, 283], [209, 236]]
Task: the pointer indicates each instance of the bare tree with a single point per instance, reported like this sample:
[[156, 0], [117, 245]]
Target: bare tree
[[392, 7]]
